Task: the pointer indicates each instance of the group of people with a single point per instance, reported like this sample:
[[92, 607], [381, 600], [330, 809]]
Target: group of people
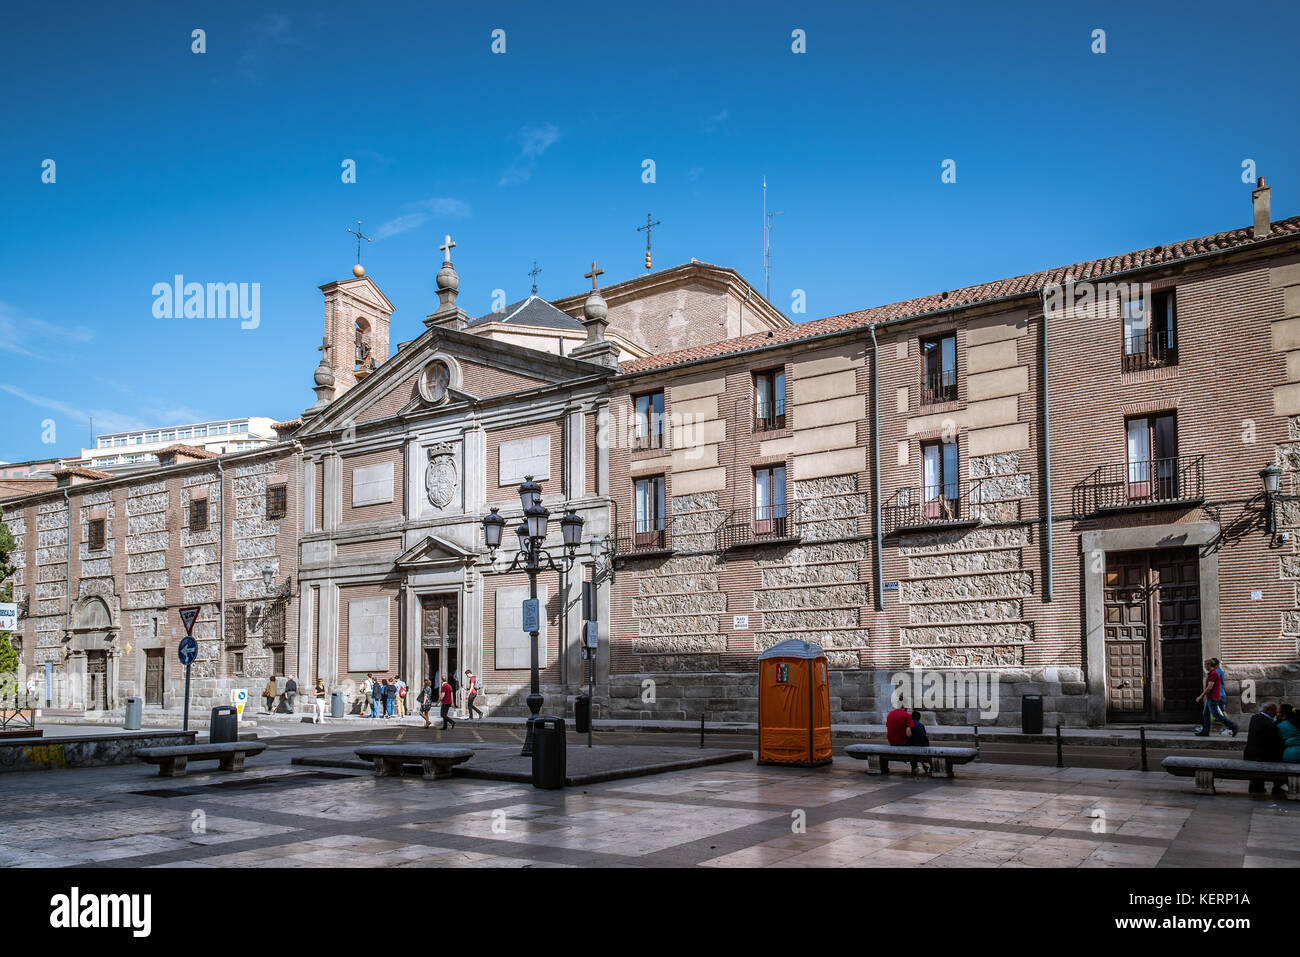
[[271, 693], [386, 697], [383, 697], [1273, 735]]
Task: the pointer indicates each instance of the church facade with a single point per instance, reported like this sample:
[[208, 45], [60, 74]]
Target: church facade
[[1051, 485]]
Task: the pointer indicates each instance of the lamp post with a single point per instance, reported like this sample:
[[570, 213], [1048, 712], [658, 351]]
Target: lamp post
[[1271, 476], [268, 579], [532, 557]]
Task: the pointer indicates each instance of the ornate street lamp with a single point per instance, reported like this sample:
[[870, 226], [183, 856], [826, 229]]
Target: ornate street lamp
[[268, 579], [532, 557], [1271, 477]]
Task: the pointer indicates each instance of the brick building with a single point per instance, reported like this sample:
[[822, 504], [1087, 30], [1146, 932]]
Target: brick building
[[1046, 484]]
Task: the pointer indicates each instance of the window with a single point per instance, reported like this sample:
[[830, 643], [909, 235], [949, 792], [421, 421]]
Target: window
[[939, 370], [1149, 332], [1152, 457], [649, 413], [769, 400], [96, 536], [236, 627], [650, 511], [237, 662], [198, 514], [277, 660], [769, 501], [276, 501], [940, 480]]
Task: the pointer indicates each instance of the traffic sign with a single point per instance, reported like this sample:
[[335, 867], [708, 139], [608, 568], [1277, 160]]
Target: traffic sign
[[8, 616], [532, 615], [239, 698], [593, 634], [189, 615], [187, 650]]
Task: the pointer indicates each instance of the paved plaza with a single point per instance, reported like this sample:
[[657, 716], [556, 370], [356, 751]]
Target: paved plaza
[[277, 814]]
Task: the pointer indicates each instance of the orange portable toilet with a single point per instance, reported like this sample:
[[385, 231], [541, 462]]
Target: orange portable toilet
[[794, 705]]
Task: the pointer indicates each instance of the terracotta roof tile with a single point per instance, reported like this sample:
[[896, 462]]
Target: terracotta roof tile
[[191, 451], [967, 296]]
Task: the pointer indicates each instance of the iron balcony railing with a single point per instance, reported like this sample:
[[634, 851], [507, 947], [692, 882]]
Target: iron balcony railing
[[1149, 350], [929, 505], [939, 386], [756, 526], [769, 415], [632, 538], [1141, 484]]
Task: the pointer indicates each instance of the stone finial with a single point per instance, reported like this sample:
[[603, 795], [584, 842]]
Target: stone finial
[[595, 311], [448, 314], [324, 378]]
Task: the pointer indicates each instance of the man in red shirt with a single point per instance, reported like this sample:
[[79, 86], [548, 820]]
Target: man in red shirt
[[445, 699], [898, 726]]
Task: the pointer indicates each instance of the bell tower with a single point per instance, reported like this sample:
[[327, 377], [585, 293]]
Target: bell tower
[[356, 327]]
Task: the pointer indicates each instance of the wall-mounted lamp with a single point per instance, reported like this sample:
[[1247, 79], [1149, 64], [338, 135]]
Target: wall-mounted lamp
[[1271, 477]]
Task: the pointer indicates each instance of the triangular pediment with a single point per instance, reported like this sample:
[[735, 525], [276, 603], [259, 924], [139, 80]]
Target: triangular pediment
[[435, 550], [480, 369]]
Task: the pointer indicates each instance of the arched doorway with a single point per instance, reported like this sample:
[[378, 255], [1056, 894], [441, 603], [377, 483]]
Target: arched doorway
[[92, 655]]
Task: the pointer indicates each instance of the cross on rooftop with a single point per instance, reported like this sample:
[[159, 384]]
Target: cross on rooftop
[[593, 274], [324, 347], [534, 272], [357, 232], [647, 228], [446, 248]]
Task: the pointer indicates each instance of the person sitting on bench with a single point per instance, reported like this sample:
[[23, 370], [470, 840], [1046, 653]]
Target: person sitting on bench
[[1264, 743], [920, 739]]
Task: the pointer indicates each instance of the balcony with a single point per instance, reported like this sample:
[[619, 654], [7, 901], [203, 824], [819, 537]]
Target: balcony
[[939, 386], [1136, 486], [1149, 350], [632, 539], [768, 525], [940, 506], [769, 416]]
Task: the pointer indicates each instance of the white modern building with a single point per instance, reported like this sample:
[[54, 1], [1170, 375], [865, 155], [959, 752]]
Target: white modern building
[[122, 451]]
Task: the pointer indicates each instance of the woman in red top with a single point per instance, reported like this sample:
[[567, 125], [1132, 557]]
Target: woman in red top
[[446, 699]]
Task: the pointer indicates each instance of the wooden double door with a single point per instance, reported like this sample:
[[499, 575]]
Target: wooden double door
[[154, 663], [1152, 606], [439, 635], [96, 680]]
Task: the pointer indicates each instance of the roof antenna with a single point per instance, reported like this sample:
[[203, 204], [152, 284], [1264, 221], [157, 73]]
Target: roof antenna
[[767, 244]]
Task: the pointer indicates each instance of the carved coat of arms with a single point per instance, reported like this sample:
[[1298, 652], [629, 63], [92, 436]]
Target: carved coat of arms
[[440, 476]]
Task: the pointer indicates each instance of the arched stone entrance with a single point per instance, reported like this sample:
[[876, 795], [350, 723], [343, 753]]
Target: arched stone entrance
[[93, 655]]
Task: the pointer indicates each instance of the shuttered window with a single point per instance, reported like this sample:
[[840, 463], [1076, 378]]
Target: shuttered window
[[96, 533], [198, 514], [276, 501]]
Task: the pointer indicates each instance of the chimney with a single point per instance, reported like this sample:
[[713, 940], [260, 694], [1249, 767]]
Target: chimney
[[1260, 198]]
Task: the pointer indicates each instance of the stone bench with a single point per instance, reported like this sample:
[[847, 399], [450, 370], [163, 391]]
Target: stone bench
[[172, 761], [1205, 770], [940, 759], [437, 760]]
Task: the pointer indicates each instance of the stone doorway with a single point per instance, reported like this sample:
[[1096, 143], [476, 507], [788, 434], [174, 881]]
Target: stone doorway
[[1152, 610], [153, 676], [439, 634], [97, 681]]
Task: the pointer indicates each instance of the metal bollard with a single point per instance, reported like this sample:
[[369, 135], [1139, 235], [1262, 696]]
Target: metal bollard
[[701, 729], [977, 741], [1142, 737], [1060, 761]]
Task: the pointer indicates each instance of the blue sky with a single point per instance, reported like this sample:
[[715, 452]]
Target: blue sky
[[226, 166]]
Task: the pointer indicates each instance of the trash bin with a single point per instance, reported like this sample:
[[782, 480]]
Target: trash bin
[[223, 725], [549, 752], [1031, 714], [336, 704], [582, 714], [134, 711]]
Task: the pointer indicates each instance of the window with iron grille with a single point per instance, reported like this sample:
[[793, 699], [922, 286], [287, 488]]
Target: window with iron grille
[[273, 624], [277, 498], [1149, 332], [650, 420], [277, 660], [96, 537], [198, 515], [939, 369], [237, 662], [769, 400], [236, 626]]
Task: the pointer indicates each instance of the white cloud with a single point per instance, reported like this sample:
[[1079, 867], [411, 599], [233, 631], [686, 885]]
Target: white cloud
[[711, 123], [534, 139], [105, 420], [26, 335], [440, 206]]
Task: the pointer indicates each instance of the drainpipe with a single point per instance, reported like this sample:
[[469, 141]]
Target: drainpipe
[[221, 625], [1047, 459], [67, 624], [875, 471]]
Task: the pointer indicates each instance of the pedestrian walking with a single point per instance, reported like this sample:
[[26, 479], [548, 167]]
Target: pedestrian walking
[[320, 701], [290, 693], [368, 696], [1211, 701], [446, 705], [269, 694], [401, 697], [472, 691], [426, 701], [390, 698]]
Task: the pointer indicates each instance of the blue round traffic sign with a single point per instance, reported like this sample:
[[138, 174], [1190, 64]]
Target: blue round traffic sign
[[187, 650]]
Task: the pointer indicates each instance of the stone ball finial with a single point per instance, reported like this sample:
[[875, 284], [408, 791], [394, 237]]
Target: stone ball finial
[[595, 308], [447, 278], [324, 374], [358, 270]]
